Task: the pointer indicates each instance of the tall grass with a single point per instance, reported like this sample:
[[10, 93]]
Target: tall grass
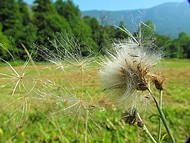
[[62, 100]]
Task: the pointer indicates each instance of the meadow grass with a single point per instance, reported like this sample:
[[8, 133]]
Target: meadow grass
[[55, 105]]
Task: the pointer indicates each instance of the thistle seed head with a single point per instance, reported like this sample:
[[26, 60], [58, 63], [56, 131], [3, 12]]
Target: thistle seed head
[[127, 70]]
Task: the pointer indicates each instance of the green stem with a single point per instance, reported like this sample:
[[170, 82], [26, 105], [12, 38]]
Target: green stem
[[160, 120], [147, 131], [162, 116], [86, 124]]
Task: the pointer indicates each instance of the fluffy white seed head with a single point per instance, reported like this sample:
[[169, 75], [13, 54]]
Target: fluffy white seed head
[[128, 68]]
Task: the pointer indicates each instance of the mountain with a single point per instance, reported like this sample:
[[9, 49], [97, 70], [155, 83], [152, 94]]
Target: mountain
[[170, 18]]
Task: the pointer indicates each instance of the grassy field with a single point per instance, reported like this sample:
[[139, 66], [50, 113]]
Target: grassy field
[[65, 103]]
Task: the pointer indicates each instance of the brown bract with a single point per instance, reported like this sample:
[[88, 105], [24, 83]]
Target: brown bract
[[158, 81]]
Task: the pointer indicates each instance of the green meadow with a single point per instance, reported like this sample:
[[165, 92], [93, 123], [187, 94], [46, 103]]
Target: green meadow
[[65, 102]]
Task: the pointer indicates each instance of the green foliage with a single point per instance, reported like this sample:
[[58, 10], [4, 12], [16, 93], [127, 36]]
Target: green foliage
[[47, 122], [5, 46], [16, 25], [23, 8], [67, 9], [175, 48], [48, 21], [104, 39], [11, 19], [80, 29], [119, 34], [101, 35], [170, 18], [39, 24], [184, 41], [9, 16]]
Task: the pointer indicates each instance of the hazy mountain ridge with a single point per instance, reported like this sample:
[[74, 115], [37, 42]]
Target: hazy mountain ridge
[[169, 18]]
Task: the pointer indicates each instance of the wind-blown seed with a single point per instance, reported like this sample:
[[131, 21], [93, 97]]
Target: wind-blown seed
[[128, 69]]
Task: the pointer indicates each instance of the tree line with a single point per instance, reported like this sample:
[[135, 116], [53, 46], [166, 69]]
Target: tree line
[[40, 23]]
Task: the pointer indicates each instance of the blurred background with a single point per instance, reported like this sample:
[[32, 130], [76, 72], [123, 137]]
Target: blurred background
[[93, 23], [56, 96]]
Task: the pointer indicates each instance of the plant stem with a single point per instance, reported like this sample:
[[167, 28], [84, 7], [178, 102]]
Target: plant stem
[[162, 116], [160, 120], [86, 124], [147, 131]]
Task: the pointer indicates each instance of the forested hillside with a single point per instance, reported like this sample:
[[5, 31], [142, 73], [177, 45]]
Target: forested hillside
[[36, 26], [169, 18]]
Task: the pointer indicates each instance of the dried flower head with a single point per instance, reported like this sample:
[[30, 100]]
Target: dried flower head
[[128, 69], [130, 116], [158, 81]]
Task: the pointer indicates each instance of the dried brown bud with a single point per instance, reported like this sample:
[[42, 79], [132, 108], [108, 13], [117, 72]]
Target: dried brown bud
[[142, 86], [140, 123], [130, 116], [158, 81]]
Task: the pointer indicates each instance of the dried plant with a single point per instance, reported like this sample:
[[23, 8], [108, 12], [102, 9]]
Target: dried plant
[[18, 83], [129, 70], [127, 73], [69, 94]]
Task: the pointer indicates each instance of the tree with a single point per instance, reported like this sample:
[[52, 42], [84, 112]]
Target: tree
[[48, 22], [101, 35], [81, 30], [13, 24], [67, 9], [11, 19], [83, 33], [175, 50], [163, 43], [184, 41], [24, 12], [29, 31], [9, 14], [104, 42], [119, 34], [28, 38], [94, 25], [5, 47]]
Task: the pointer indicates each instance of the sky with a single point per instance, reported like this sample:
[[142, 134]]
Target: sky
[[114, 5]]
